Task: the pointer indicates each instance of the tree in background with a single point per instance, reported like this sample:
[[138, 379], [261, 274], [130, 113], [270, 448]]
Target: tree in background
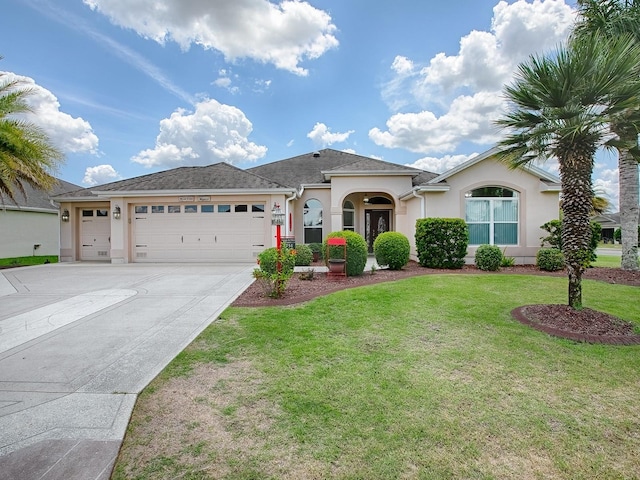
[[615, 18], [562, 105], [26, 155]]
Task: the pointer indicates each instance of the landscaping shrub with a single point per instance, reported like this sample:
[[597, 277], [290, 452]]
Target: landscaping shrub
[[441, 242], [488, 257], [507, 261], [550, 259], [392, 249], [554, 239], [274, 282], [356, 251], [316, 249], [303, 256]]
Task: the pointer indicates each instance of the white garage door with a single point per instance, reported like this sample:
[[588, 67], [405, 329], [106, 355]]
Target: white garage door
[[207, 232], [95, 234]]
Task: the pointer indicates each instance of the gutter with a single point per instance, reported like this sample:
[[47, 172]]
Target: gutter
[[287, 209], [423, 201]]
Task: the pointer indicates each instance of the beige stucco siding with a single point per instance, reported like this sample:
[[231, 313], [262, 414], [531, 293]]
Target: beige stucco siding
[[22, 230], [535, 206]]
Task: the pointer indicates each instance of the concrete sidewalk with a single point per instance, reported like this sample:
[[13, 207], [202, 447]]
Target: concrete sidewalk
[[78, 342]]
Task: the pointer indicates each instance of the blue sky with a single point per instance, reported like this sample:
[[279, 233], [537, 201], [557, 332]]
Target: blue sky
[[129, 87]]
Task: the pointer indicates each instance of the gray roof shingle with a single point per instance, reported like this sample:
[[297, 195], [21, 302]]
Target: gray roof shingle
[[35, 198]]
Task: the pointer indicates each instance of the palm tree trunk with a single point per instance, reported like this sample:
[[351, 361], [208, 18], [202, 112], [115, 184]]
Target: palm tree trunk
[[628, 178], [575, 175]]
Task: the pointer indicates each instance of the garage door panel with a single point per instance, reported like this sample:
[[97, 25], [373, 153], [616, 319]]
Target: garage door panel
[[198, 236], [95, 235]]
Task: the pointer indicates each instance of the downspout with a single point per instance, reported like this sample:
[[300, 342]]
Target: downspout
[[423, 200], [287, 230]]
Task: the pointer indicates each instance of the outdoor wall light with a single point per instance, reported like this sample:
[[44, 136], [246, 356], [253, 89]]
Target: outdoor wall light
[[116, 213], [277, 215], [65, 215]]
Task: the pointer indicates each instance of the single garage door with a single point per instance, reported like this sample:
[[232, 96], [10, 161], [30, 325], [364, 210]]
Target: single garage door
[[198, 232], [95, 234]]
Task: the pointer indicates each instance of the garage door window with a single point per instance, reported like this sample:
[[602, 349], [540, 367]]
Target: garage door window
[[157, 208], [102, 213], [173, 209], [241, 208], [87, 213], [206, 208], [257, 208], [224, 208], [190, 209], [141, 209]]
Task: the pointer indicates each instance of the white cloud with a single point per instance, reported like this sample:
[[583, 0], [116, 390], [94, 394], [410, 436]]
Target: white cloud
[[212, 133], [468, 119], [322, 136], [440, 164], [69, 134], [283, 34], [458, 96], [607, 184], [99, 175]]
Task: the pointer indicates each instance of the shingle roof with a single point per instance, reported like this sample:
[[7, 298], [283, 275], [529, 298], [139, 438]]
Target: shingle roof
[[219, 176], [35, 198], [313, 168]]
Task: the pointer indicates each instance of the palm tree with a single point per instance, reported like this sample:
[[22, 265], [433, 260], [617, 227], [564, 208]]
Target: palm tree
[[561, 105], [614, 18], [26, 156]]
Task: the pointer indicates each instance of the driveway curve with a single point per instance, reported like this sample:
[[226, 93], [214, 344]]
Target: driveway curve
[[79, 342]]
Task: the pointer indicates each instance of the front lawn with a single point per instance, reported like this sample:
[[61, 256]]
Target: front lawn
[[427, 378], [30, 260]]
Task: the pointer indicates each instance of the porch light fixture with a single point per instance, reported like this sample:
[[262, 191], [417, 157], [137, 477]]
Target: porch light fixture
[[116, 213], [277, 215], [65, 215], [366, 198]]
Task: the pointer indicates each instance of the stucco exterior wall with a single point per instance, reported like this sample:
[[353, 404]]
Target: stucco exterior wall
[[22, 230], [536, 207]]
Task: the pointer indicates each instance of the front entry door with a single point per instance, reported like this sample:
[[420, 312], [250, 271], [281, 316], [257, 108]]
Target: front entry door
[[377, 222]]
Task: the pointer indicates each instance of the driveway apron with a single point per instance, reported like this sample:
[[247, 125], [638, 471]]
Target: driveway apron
[[78, 343]]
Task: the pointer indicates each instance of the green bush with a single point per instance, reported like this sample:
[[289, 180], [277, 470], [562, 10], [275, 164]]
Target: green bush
[[441, 242], [488, 257], [550, 259], [392, 249], [316, 248], [356, 251], [304, 255], [268, 260], [554, 239]]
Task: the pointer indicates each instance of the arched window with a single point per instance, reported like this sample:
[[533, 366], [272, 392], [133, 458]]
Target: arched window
[[312, 218], [492, 216], [348, 216]]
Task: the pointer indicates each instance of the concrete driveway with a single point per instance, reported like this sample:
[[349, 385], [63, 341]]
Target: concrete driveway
[[78, 342]]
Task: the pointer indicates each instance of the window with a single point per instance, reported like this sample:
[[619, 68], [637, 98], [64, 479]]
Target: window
[[87, 213], [141, 209], [190, 209], [257, 208], [206, 209], [173, 209], [102, 213], [241, 208], [157, 208], [492, 216], [348, 216], [224, 208], [312, 219]]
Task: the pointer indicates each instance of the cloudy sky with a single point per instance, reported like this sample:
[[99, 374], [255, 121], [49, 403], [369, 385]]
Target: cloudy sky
[[129, 87]]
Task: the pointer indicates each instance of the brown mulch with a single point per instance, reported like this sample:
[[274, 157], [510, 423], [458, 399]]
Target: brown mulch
[[559, 320]]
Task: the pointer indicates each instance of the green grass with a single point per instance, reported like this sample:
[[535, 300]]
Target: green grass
[[25, 261], [426, 378]]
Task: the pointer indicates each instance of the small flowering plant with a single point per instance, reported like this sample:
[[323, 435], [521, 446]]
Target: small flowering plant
[[274, 279]]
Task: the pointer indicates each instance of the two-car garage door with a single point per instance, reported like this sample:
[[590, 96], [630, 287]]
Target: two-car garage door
[[198, 232]]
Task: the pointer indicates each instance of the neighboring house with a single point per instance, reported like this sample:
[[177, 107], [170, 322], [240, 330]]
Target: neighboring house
[[610, 222], [31, 224], [220, 213]]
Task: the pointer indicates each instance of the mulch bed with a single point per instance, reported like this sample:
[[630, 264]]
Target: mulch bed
[[584, 325]]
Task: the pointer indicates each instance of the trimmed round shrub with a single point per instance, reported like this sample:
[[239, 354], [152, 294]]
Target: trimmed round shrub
[[392, 249], [356, 251], [488, 257], [268, 260], [550, 259], [304, 255]]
